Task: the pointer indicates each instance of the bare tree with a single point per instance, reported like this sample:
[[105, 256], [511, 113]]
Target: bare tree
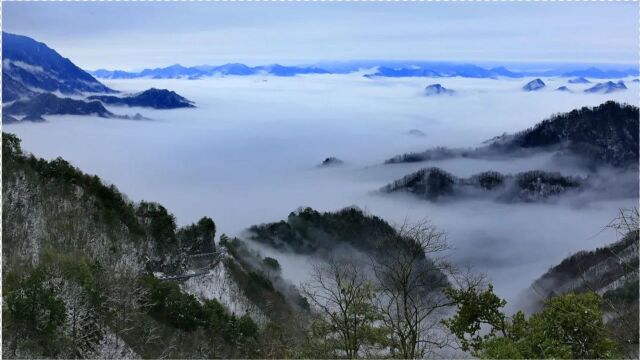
[[126, 299], [410, 272], [624, 324], [343, 294]]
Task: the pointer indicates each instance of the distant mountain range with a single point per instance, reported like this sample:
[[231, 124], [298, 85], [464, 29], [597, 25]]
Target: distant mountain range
[[195, 72], [381, 69], [35, 76]]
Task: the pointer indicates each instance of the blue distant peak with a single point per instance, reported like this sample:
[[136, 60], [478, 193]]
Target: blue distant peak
[[607, 87], [382, 69]]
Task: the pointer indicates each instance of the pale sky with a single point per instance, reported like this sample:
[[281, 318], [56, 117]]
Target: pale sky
[[126, 35]]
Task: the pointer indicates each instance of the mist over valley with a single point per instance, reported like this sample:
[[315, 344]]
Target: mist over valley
[[247, 154]]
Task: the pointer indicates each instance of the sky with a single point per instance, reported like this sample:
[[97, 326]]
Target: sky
[[132, 36]]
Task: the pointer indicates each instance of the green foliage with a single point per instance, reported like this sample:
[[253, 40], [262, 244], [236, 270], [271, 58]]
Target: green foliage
[[627, 293], [475, 308], [607, 132], [569, 326], [10, 145], [575, 320], [33, 309], [161, 224], [109, 201], [258, 288], [54, 307], [198, 238], [256, 278], [307, 230], [170, 305], [271, 263]]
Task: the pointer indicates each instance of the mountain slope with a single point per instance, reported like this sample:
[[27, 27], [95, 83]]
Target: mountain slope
[[38, 67], [78, 259], [607, 134], [348, 231], [611, 271]]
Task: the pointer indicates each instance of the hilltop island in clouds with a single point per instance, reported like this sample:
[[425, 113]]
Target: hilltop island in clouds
[[186, 211]]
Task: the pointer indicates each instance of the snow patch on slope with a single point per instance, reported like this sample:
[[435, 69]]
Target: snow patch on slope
[[217, 284]]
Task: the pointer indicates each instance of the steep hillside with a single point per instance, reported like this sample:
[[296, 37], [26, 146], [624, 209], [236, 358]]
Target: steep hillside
[[607, 270], [32, 64], [610, 271], [606, 133], [89, 274]]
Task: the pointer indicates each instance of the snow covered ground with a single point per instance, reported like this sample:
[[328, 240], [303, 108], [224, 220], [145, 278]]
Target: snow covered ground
[[218, 285]]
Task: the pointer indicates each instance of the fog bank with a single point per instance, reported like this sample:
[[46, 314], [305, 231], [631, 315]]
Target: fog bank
[[248, 154]]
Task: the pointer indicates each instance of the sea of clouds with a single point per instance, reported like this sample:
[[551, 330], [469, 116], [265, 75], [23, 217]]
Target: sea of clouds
[[249, 152]]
